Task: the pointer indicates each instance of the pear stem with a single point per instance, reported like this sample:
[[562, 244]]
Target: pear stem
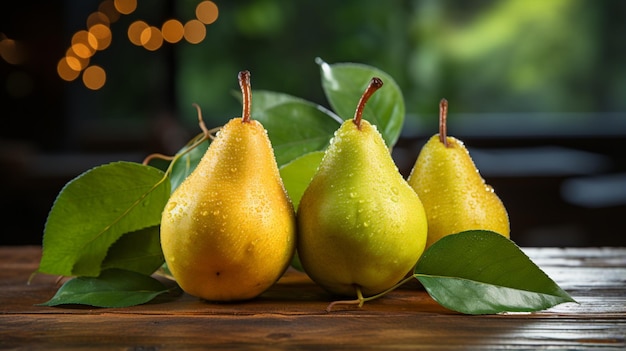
[[443, 115], [374, 85], [360, 300], [246, 93]]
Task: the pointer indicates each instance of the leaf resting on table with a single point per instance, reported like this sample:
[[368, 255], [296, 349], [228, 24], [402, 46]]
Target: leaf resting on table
[[482, 272], [113, 288]]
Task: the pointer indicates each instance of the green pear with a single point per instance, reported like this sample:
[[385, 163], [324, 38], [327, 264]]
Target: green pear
[[455, 196], [228, 231], [361, 228]]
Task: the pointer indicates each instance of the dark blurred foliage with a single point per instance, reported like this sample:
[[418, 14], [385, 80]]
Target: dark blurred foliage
[[517, 73]]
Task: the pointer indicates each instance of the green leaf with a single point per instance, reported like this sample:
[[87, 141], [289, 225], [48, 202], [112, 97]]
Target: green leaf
[[298, 173], [482, 272], [265, 99], [94, 210], [139, 251], [113, 288], [187, 163], [344, 84], [294, 126]]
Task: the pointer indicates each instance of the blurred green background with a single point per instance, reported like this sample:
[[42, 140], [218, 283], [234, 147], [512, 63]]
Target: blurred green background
[[537, 90]]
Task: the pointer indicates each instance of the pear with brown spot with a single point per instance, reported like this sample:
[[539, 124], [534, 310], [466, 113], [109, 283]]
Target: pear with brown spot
[[228, 231]]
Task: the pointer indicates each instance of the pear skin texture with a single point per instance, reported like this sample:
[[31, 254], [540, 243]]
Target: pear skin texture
[[455, 196], [359, 222], [228, 231]]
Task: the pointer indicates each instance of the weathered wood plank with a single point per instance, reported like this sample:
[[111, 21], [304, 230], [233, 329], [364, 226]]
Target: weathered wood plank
[[352, 330], [291, 315]]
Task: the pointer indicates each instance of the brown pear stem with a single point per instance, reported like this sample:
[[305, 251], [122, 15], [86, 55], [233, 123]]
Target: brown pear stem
[[443, 115], [359, 301], [374, 85], [246, 93]]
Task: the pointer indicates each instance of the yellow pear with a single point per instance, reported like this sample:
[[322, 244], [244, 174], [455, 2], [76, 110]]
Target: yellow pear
[[228, 231], [361, 228], [455, 196]]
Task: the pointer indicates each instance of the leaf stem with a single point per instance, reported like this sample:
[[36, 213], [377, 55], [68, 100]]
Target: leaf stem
[[201, 120], [155, 155], [192, 144]]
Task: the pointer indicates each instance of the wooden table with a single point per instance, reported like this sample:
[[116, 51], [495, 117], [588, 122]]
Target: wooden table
[[291, 315]]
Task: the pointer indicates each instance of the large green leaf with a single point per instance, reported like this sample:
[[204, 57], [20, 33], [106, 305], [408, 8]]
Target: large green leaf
[[139, 251], [298, 173], [294, 126], [482, 272], [265, 99], [113, 288], [94, 210], [344, 84]]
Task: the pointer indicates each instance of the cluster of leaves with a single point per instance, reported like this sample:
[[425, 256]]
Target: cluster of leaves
[[103, 229]]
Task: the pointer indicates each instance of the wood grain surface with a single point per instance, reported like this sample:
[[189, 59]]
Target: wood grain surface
[[291, 315]]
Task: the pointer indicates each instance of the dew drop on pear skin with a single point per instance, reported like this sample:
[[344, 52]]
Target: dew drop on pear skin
[[344, 246], [210, 237], [171, 205], [452, 190]]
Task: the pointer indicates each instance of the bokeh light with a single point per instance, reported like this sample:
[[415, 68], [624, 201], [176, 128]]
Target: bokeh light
[[195, 31], [66, 72], [12, 51], [207, 12], [98, 36], [94, 77], [125, 7], [107, 7], [134, 32], [81, 43], [98, 18], [76, 62], [172, 31], [102, 34], [82, 50], [151, 38]]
